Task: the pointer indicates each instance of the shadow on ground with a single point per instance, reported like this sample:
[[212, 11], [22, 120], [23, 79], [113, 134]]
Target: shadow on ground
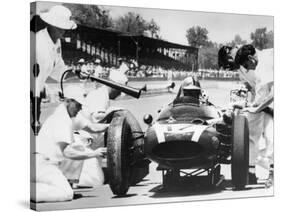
[[124, 196], [193, 189]]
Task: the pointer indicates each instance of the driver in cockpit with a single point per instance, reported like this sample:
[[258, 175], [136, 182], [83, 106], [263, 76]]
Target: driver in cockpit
[[189, 91]]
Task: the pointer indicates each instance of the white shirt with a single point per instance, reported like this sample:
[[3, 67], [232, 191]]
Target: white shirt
[[84, 69], [264, 73], [98, 71], [57, 128], [170, 75], [123, 68], [260, 79], [118, 76], [48, 57], [97, 101]]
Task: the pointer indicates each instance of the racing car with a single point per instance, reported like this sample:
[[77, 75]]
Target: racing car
[[191, 136]]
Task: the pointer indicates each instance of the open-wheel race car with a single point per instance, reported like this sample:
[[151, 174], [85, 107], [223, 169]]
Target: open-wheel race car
[[191, 137]]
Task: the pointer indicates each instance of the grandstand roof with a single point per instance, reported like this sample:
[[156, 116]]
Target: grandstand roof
[[147, 41], [113, 35]]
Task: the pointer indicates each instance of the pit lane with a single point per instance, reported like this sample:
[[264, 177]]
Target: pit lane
[[150, 189]]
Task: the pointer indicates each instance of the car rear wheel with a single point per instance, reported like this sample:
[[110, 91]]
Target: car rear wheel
[[240, 152]]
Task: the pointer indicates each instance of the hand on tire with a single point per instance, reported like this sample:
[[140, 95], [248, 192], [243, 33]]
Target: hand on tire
[[101, 152]]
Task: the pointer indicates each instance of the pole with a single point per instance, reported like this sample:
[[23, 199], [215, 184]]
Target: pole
[[137, 52], [119, 52]]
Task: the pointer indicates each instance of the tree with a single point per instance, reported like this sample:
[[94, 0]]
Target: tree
[[270, 39], [208, 51], [90, 15], [105, 21], [197, 36], [259, 38], [208, 56], [131, 23], [238, 41], [153, 28]]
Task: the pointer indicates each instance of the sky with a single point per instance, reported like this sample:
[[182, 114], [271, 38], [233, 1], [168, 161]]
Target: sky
[[222, 27]]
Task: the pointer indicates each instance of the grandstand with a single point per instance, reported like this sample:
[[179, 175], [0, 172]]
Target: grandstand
[[88, 42]]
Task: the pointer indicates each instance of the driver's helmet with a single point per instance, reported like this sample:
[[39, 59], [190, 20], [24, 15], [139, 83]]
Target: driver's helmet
[[191, 87]]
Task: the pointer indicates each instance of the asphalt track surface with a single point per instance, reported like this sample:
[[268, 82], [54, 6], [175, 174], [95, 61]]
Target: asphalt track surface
[[150, 190]]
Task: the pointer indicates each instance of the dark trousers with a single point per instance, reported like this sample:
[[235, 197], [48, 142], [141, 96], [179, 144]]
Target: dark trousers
[[35, 112]]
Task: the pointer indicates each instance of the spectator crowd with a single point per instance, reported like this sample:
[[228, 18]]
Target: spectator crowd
[[99, 69]]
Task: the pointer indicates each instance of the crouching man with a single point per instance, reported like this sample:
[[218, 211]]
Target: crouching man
[[55, 142], [96, 111]]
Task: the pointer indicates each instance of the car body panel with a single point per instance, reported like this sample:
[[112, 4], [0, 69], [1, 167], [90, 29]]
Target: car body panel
[[182, 138]]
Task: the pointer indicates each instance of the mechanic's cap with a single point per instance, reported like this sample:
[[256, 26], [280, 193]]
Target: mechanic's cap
[[60, 17], [132, 65], [98, 61], [75, 92], [81, 60]]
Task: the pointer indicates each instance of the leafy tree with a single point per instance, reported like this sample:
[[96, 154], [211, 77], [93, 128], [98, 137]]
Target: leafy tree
[[131, 23], [90, 15], [153, 28], [208, 51], [208, 56], [197, 36], [260, 38], [105, 20], [238, 41], [270, 39]]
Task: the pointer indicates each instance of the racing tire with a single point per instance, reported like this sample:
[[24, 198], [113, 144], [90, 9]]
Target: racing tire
[[137, 133], [239, 152], [118, 161]]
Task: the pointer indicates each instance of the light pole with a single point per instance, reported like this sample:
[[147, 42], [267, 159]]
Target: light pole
[[137, 51], [137, 48]]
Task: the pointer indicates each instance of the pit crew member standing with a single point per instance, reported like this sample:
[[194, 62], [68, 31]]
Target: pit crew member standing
[[123, 68], [98, 68], [256, 68], [47, 60]]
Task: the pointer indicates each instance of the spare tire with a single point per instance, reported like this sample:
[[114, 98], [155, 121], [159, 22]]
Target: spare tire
[[118, 159], [239, 151]]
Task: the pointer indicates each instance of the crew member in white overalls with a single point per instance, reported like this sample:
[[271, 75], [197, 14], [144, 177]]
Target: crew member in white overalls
[[98, 68], [123, 68], [47, 58], [55, 142], [256, 68], [96, 108]]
